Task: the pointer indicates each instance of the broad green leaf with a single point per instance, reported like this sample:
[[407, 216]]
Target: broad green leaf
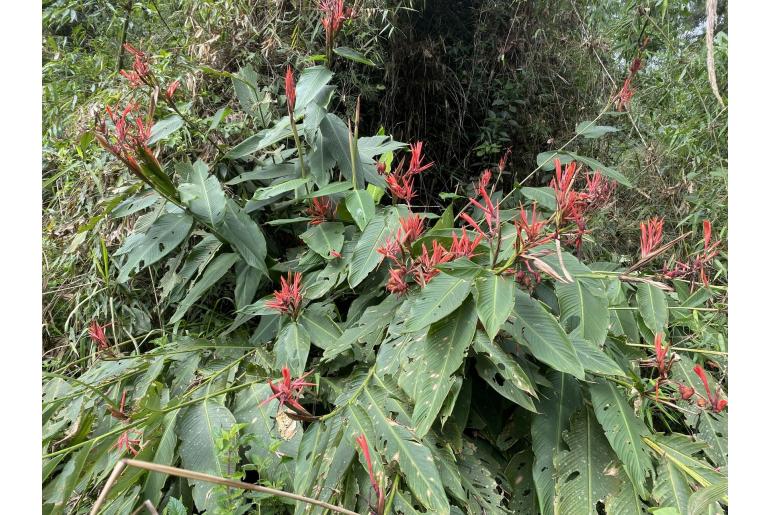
[[360, 206], [145, 249], [556, 407], [479, 472], [365, 256], [59, 491], [541, 333], [415, 461], [700, 500], [311, 81], [494, 296], [590, 130], [653, 307], [545, 197], [277, 189], [135, 204], [164, 455], [671, 488], [584, 470], [246, 283], [509, 369], [624, 430], [199, 428], [292, 348], [593, 358], [329, 189], [445, 222], [213, 273], [606, 171], [490, 373], [680, 450], [442, 354], [321, 329], [337, 136], [353, 55], [165, 128], [545, 160], [442, 295], [263, 139], [519, 475], [202, 193], [245, 236], [587, 302], [626, 500], [325, 238]]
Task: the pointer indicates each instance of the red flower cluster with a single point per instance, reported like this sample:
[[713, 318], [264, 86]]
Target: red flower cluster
[[140, 74], [532, 227], [380, 507], [599, 190], [423, 267], [129, 138], [321, 210], [289, 390], [96, 332], [714, 400], [652, 235], [623, 97], [125, 442], [400, 182], [334, 13], [699, 264], [490, 209], [171, 89], [288, 300], [291, 90]]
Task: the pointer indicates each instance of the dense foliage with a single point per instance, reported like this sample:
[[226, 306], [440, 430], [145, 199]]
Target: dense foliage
[[313, 306]]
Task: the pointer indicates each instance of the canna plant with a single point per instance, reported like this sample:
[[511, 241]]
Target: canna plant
[[429, 363]]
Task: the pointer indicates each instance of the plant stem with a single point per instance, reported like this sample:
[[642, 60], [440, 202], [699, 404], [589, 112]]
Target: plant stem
[[299, 149]]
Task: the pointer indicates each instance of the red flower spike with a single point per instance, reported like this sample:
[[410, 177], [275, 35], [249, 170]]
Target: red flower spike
[[531, 227], [126, 443], [97, 335], [288, 300], [390, 249], [400, 186], [289, 390], [291, 91], [717, 404], [424, 268], [381, 168], [171, 89], [361, 441], [660, 355], [411, 229], [141, 64], [415, 162], [334, 13], [321, 210], [490, 209], [397, 281], [463, 247], [706, 233], [651, 235], [599, 189], [133, 78]]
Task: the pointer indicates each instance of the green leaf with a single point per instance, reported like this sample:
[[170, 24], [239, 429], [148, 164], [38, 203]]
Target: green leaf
[[325, 238], [292, 348], [680, 450], [415, 461], [245, 236], [671, 487], [444, 351], [586, 301], [503, 374], [165, 128], [584, 471], [353, 55], [213, 273], [310, 83], [508, 367], [442, 295], [199, 428], [519, 475], [653, 307], [606, 171], [365, 256], [627, 499], [700, 500], [145, 249], [165, 454], [336, 135], [277, 189], [360, 206], [321, 329], [556, 408], [590, 130], [545, 197], [541, 333], [263, 139], [202, 194], [624, 431], [494, 300], [593, 358]]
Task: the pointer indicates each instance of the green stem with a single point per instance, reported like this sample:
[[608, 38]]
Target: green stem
[[299, 150]]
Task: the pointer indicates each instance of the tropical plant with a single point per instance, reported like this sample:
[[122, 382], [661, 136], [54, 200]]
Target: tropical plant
[[428, 362]]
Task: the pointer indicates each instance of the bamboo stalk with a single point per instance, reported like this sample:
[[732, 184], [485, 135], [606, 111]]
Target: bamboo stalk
[[199, 476]]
